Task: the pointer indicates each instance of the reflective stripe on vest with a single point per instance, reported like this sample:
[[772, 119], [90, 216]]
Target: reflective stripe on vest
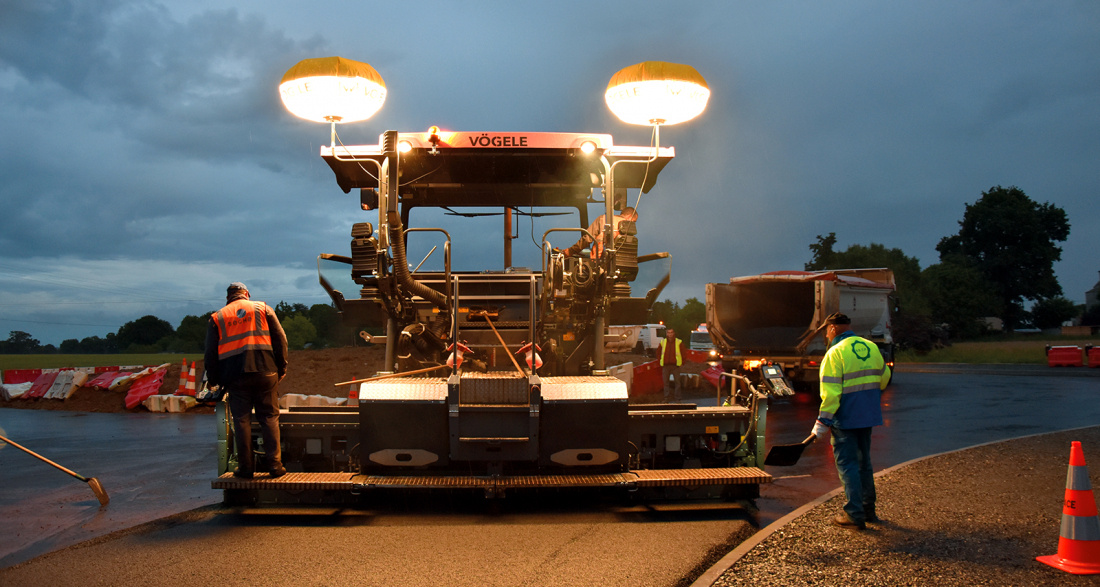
[[242, 326]]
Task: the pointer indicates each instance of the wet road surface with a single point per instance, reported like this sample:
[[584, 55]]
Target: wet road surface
[[150, 465], [157, 465], [928, 410]]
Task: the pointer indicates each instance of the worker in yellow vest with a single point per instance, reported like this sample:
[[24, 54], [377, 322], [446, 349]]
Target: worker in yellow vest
[[853, 375], [671, 358]]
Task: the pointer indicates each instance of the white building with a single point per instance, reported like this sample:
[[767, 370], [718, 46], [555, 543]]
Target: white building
[[1091, 296]]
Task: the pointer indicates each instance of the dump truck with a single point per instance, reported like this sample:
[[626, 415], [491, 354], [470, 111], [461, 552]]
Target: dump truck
[[640, 339], [778, 318], [622, 338], [496, 377], [649, 338]]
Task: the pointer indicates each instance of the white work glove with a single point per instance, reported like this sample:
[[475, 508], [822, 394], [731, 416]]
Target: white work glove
[[820, 430]]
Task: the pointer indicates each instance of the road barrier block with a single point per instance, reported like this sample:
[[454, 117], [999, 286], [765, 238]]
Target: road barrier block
[[647, 379], [1064, 356]]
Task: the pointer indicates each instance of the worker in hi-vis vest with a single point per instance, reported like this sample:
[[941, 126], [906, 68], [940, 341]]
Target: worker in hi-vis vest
[[672, 358], [853, 375], [246, 354]]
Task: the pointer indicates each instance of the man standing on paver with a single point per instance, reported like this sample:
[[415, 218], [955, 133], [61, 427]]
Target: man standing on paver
[[246, 352], [853, 375]]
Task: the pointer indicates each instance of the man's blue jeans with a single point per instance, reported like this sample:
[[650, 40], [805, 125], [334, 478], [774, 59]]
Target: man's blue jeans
[[852, 452]]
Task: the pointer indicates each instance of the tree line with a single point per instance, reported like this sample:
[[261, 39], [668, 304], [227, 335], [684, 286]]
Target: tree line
[[317, 326]]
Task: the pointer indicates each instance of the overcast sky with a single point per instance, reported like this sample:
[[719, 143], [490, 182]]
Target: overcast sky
[[146, 160]]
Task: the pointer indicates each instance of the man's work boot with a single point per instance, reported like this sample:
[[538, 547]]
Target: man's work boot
[[277, 471], [869, 514], [242, 474], [845, 521]]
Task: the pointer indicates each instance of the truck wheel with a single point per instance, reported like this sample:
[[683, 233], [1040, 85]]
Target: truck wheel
[[639, 348]]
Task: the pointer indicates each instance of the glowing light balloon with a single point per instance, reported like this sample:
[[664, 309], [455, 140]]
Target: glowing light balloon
[[332, 89], [657, 92]]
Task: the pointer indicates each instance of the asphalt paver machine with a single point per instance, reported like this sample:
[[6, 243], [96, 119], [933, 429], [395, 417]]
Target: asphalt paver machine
[[495, 378]]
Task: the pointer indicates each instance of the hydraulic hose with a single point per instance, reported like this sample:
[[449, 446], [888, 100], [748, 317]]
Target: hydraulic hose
[[401, 266], [751, 430], [440, 325]]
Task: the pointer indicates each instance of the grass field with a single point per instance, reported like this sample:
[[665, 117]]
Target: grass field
[[58, 361]]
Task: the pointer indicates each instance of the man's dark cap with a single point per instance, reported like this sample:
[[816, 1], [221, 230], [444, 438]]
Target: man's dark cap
[[838, 318], [235, 287]]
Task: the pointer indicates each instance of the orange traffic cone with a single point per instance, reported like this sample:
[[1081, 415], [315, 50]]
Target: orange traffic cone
[[1079, 539], [183, 379]]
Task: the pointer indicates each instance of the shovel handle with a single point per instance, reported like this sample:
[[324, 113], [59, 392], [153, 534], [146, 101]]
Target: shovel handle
[[38, 456]]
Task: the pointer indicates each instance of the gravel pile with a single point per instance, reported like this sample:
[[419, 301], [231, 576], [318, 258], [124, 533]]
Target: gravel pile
[[974, 517]]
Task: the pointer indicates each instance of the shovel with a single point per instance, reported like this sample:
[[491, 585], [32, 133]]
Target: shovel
[[92, 482], [785, 455]]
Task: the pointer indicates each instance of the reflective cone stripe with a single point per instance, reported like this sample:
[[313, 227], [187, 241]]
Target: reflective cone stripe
[[1079, 536], [183, 379], [190, 390]]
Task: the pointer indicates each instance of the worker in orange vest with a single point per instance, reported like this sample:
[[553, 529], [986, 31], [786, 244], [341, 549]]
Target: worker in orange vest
[[246, 353], [671, 359]]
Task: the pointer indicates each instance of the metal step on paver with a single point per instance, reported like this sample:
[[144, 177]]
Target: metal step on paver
[[639, 478]]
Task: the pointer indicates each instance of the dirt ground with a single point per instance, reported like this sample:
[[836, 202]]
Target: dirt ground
[[310, 372]]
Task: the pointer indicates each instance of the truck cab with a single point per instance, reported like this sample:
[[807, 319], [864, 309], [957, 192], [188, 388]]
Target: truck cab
[[700, 341]]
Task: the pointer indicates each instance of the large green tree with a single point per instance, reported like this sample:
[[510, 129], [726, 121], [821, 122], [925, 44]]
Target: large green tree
[[1011, 240], [1049, 313], [142, 335], [190, 335], [681, 319], [326, 320], [94, 345], [958, 296], [691, 316], [20, 343], [192, 331], [284, 310], [299, 332]]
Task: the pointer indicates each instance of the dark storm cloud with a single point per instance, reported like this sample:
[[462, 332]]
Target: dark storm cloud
[[147, 138], [136, 141], [172, 116]]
